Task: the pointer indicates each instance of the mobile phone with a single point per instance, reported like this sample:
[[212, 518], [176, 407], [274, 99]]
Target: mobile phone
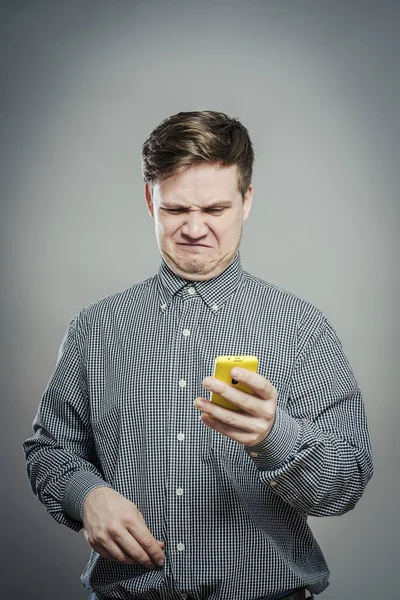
[[222, 371]]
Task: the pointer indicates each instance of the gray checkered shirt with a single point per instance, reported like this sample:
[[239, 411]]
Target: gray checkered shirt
[[118, 411]]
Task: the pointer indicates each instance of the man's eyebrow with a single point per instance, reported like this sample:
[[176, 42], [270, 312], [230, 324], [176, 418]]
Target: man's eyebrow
[[219, 203]]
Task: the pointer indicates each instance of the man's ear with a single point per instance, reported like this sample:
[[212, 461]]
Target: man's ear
[[149, 201], [247, 202]]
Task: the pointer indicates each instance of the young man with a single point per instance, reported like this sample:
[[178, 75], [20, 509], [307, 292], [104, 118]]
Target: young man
[[179, 497]]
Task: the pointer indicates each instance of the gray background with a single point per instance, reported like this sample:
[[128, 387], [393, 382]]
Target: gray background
[[82, 84]]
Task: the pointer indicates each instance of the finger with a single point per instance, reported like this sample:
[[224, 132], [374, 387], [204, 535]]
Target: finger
[[237, 420], [239, 398], [261, 386], [151, 547], [115, 553], [246, 438], [246, 402], [146, 529], [129, 545]]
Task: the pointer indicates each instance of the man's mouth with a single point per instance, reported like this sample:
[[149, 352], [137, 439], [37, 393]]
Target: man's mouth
[[193, 245]]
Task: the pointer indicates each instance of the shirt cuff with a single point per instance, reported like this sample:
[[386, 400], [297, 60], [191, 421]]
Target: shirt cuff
[[280, 444], [77, 488]]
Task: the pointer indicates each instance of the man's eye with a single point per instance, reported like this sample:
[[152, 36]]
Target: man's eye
[[177, 211], [215, 211]]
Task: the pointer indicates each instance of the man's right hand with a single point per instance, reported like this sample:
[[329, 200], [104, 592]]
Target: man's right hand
[[115, 528]]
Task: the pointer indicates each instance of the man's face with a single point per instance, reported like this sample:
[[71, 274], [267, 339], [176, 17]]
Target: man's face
[[199, 216]]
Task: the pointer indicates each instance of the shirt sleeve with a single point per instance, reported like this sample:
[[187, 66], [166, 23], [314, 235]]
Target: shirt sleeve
[[317, 456], [61, 460]]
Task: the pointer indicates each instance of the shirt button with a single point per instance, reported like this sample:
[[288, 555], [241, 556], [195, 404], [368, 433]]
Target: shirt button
[[179, 492], [214, 307], [163, 307], [180, 437], [180, 547], [273, 483], [186, 332], [184, 595], [191, 291], [254, 454], [182, 383]]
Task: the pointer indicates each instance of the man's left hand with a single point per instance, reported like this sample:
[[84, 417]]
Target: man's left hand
[[254, 421]]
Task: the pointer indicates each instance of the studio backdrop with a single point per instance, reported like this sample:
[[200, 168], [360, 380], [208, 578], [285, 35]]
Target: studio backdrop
[[83, 82]]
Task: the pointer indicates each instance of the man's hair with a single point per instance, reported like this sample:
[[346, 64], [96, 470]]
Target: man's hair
[[192, 138]]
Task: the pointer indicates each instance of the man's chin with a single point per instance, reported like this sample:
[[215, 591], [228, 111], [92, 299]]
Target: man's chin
[[190, 269], [194, 268]]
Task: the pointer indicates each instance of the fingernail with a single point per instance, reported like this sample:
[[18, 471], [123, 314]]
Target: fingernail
[[160, 562], [207, 382], [199, 404], [236, 371]]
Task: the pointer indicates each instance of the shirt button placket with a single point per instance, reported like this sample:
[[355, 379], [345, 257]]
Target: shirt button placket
[[180, 546], [179, 489]]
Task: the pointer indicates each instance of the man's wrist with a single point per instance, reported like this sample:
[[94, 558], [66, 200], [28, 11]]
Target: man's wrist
[[279, 445], [77, 490]]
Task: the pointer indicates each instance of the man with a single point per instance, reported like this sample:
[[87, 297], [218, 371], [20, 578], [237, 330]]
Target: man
[[179, 497]]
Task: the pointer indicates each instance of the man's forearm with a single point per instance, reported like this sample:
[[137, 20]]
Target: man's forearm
[[317, 472]]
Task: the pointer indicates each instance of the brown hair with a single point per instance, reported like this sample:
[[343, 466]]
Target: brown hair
[[191, 138]]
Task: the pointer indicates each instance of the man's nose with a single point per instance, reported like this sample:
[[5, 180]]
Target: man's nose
[[194, 225]]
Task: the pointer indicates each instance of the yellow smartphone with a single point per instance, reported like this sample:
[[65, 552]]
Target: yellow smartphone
[[222, 371]]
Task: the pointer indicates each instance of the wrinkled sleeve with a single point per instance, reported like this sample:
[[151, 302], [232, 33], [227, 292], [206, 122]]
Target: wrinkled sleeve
[[61, 459], [317, 456]]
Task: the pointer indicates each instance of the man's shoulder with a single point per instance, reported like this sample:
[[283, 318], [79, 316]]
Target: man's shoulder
[[117, 302], [281, 299]]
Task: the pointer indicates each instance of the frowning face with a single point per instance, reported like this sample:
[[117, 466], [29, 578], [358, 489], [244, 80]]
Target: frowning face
[[199, 216]]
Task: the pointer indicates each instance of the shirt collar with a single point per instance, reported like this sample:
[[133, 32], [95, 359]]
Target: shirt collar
[[213, 291]]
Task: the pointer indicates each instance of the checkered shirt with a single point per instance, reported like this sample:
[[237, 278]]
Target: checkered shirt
[[118, 411]]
